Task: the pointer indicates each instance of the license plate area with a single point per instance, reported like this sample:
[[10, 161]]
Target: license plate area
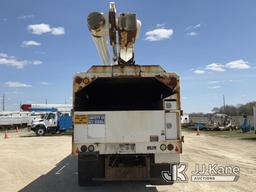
[[127, 148]]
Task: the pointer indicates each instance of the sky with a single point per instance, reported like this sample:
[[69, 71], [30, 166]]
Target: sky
[[210, 44]]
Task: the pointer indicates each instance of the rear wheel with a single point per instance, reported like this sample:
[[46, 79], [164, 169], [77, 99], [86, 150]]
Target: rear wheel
[[40, 131]]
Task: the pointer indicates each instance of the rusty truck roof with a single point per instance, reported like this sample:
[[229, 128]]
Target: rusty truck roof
[[125, 70]]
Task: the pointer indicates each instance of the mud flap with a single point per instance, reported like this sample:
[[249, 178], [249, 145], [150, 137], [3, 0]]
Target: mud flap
[[90, 166]]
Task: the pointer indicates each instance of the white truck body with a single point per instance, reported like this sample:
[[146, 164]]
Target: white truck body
[[144, 123], [119, 127], [15, 119]]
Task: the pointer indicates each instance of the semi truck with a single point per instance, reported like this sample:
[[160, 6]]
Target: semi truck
[[52, 122], [126, 116]]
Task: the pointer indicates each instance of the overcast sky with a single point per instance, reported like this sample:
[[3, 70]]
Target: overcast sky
[[210, 44]]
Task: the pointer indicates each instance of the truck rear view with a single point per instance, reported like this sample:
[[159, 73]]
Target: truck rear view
[[126, 116]]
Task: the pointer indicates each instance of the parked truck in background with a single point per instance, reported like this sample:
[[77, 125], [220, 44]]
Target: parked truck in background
[[52, 122], [13, 120], [126, 116]]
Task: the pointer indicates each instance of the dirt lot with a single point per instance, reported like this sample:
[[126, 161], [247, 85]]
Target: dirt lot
[[29, 163]]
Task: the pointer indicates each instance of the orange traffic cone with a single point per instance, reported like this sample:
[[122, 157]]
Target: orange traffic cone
[[197, 131], [5, 135]]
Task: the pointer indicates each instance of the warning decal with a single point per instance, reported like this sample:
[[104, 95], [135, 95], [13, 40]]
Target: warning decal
[[96, 119], [81, 119]]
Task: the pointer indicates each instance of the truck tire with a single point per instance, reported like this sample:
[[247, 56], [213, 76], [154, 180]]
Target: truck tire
[[90, 166], [40, 131]]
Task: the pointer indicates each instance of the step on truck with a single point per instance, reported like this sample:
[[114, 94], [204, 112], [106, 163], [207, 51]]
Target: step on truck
[[126, 116]]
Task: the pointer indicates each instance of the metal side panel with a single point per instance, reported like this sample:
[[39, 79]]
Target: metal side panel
[[134, 126], [118, 126], [171, 126], [96, 126], [80, 133]]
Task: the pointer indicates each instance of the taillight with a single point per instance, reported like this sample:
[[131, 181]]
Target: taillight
[[86, 81], [83, 148], [163, 147], [78, 80], [77, 150], [91, 148], [176, 149], [170, 147]]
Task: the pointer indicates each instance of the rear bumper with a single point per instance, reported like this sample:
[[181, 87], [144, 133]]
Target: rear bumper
[[101, 168], [160, 157], [133, 148]]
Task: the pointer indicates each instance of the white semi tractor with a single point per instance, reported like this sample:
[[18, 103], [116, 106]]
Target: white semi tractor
[[126, 116]]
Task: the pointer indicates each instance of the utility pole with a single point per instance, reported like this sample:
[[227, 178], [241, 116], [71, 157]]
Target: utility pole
[[45, 101], [3, 102], [224, 103], [20, 105]]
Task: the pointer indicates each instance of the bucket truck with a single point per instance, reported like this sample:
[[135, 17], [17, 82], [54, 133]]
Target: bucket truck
[[126, 116]]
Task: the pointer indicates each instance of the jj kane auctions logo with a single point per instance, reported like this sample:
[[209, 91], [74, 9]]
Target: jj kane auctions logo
[[202, 173]]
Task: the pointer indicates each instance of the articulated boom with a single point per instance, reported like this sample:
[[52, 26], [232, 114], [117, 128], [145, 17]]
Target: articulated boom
[[122, 30]]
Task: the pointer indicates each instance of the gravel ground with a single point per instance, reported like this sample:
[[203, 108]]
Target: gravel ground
[[29, 163]]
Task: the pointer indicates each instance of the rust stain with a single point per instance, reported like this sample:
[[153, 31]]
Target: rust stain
[[79, 82], [126, 69], [149, 68], [99, 69], [170, 81]]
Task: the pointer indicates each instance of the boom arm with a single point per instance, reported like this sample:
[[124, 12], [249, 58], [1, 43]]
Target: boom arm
[[122, 31]]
